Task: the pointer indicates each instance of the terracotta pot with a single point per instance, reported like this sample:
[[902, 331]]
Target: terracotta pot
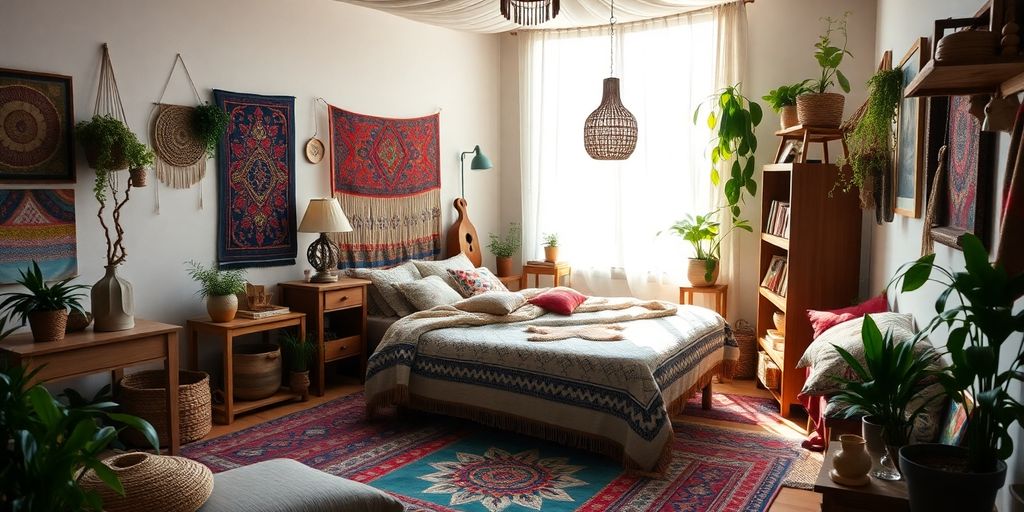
[[551, 254], [257, 371], [222, 308], [696, 272], [504, 266], [788, 117], [138, 177], [821, 110], [298, 382], [48, 326], [113, 302], [852, 463]]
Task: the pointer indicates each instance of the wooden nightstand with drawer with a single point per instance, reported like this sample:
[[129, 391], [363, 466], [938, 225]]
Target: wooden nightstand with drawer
[[335, 318]]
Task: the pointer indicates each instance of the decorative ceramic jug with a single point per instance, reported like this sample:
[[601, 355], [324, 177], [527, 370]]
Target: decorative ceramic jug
[[852, 463], [113, 304]]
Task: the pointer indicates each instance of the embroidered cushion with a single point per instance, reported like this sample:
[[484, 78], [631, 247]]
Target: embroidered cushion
[[384, 280], [492, 303], [560, 300], [429, 292], [822, 321], [475, 281], [440, 268]]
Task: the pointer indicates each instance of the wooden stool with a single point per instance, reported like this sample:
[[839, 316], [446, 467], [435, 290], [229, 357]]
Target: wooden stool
[[809, 134], [720, 291], [555, 270]]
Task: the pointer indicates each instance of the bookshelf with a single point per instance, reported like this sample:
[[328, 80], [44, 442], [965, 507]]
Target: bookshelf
[[823, 259]]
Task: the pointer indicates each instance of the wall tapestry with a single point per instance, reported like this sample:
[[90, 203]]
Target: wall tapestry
[[37, 225], [910, 127], [386, 173], [256, 167], [37, 117]]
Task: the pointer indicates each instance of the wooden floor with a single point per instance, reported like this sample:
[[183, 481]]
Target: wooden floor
[[789, 500]]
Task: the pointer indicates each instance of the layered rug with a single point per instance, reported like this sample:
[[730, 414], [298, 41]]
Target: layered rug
[[435, 463]]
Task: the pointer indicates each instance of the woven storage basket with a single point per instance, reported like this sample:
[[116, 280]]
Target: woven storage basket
[[143, 395], [746, 366], [154, 483], [768, 372], [820, 110]]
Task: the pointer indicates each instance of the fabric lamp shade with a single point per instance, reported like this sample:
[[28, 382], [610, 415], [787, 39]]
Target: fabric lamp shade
[[324, 215], [480, 162]]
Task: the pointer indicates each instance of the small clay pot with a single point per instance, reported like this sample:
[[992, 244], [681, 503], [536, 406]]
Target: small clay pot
[[504, 266], [551, 254], [222, 308], [298, 382]]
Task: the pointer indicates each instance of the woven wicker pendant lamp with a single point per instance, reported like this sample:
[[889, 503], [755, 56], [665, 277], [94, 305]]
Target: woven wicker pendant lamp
[[610, 131], [529, 12]]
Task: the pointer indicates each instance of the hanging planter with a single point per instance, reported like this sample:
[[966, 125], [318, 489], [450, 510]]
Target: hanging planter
[[610, 131]]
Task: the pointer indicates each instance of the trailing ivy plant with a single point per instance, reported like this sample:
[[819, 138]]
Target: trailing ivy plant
[[209, 122], [111, 139], [871, 141], [829, 56], [732, 119], [785, 95]]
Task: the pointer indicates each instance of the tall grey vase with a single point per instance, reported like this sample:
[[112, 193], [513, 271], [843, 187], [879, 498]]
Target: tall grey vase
[[113, 304]]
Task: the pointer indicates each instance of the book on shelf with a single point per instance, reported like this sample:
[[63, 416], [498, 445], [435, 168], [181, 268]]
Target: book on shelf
[[262, 313], [775, 279], [778, 219]]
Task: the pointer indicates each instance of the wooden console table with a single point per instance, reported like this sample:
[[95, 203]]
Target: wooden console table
[[88, 352]]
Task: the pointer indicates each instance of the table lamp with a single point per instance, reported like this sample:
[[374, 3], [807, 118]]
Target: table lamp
[[324, 215]]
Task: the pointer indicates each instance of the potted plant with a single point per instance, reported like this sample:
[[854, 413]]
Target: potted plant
[[870, 142], [818, 107], [45, 307], [209, 122], [732, 118], [882, 390], [551, 247], [298, 353], [504, 246], [703, 232], [783, 100], [110, 146], [983, 330], [219, 288]]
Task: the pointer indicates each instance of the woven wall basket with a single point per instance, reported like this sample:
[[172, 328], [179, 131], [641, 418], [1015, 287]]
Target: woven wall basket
[[820, 110], [153, 483], [181, 156], [143, 394]]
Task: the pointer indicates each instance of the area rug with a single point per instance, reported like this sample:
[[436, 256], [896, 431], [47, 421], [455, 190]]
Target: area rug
[[386, 173], [434, 463], [256, 192], [37, 225], [735, 408]]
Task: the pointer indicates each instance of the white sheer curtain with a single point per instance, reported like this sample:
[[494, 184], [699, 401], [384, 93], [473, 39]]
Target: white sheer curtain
[[608, 214]]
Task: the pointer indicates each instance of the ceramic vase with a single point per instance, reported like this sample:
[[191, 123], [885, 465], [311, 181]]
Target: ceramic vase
[[222, 308], [883, 466], [851, 464], [113, 303]]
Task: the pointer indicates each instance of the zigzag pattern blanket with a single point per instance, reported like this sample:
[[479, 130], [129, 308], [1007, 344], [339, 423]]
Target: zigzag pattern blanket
[[614, 397]]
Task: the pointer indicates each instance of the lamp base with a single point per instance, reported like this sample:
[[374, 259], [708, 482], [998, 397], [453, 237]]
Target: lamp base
[[324, 277]]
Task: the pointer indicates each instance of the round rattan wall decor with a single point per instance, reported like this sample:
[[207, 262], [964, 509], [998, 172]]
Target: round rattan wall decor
[[314, 150], [173, 138]]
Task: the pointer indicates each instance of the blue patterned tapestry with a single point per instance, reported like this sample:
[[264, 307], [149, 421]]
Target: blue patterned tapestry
[[37, 225]]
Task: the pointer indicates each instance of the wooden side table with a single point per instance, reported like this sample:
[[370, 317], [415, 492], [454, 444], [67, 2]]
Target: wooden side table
[[227, 332], [88, 352], [556, 271], [877, 496], [720, 292], [512, 281]]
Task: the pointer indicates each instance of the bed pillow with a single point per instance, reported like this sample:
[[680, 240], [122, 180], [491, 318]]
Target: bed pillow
[[492, 303], [822, 321], [560, 300], [827, 365], [440, 268], [375, 303], [429, 292], [476, 281], [384, 280]]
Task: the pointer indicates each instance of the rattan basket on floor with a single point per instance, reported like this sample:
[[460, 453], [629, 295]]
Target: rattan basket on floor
[[746, 367], [143, 394]]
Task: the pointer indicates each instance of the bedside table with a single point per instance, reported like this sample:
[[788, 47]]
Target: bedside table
[[511, 281], [720, 292], [335, 317], [556, 270]]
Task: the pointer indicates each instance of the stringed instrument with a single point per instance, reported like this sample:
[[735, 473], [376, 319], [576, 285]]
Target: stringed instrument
[[462, 235]]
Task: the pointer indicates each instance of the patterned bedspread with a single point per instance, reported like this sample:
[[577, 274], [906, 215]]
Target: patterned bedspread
[[614, 398]]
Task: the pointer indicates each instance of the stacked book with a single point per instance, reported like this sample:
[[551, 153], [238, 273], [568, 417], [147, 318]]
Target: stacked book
[[778, 219], [775, 340], [262, 312], [776, 278]]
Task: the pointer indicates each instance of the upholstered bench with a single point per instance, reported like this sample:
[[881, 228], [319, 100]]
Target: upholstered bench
[[284, 485]]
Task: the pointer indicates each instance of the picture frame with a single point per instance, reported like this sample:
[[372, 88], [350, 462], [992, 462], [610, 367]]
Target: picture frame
[[37, 143], [790, 152], [909, 157]]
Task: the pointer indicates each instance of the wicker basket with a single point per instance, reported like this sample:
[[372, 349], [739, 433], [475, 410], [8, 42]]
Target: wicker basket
[[820, 110], [746, 367], [788, 117], [768, 372], [143, 394], [154, 483], [48, 326]]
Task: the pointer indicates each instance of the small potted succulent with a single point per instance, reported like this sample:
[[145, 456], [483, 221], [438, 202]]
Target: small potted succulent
[[503, 247], [45, 307], [298, 354], [817, 106], [783, 100], [551, 247], [219, 288]]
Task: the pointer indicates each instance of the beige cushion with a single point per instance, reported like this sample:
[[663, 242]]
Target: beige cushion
[[375, 304], [284, 485], [384, 281], [440, 268], [429, 292], [493, 303]]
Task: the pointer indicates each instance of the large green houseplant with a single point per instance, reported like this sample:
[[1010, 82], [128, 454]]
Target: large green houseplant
[[819, 107], [976, 307], [44, 306]]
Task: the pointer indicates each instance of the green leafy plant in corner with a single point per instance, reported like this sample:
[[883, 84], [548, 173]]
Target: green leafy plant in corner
[[871, 141], [215, 283], [115, 146], [298, 352], [732, 119], [209, 122], [829, 54], [550, 239], [892, 375], [505, 246], [785, 95], [983, 330], [59, 296], [704, 234]]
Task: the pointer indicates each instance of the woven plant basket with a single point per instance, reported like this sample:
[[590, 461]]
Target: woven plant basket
[[143, 395], [820, 110], [48, 325], [138, 177], [788, 117], [153, 483], [746, 366]]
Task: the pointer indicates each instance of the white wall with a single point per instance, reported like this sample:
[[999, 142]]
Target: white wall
[[356, 58]]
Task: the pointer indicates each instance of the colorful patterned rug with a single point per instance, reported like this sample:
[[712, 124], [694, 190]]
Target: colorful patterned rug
[[750, 410], [256, 193], [387, 175], [37, 225], [435, 463]]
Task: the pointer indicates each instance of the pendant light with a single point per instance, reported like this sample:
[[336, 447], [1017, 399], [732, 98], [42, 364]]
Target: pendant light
[[529, 12], [610, 131]]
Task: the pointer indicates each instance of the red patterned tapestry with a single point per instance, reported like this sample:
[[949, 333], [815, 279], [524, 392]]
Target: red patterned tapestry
[[387, 176], [256, 168]]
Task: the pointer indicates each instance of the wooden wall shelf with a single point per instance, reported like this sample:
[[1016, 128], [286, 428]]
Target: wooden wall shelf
[[937, 79]]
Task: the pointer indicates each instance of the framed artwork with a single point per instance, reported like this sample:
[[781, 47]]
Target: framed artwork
[[38, 225], [790, 152], [909, 155], [36, 127]]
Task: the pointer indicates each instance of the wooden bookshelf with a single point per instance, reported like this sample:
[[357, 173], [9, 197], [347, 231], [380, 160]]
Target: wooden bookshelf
[[823, 254]]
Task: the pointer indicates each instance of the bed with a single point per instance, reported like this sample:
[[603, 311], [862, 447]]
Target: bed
[[611, 397]]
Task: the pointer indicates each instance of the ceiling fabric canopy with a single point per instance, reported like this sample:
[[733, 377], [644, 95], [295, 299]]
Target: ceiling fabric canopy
[[485, 15]]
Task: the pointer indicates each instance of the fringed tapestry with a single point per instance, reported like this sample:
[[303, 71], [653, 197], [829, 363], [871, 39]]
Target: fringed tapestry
[[387, 176], [256, 168], [37, 225]]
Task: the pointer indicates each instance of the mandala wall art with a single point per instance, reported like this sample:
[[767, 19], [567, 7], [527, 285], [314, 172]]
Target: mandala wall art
[[36, 123], [37, 225]]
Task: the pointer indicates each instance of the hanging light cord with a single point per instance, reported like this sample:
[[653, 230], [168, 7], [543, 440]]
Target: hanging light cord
[[611, 47]]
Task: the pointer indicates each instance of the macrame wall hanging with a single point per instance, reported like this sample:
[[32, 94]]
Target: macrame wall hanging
[[180, 154], [314, 146]]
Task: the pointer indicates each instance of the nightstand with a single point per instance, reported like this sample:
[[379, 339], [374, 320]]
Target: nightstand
[[719, 291], [556, 270], [335, 317], [511, 282]]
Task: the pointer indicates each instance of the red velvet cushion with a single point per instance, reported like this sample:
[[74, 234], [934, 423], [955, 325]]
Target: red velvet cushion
[[559, 300], [821, 321]]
